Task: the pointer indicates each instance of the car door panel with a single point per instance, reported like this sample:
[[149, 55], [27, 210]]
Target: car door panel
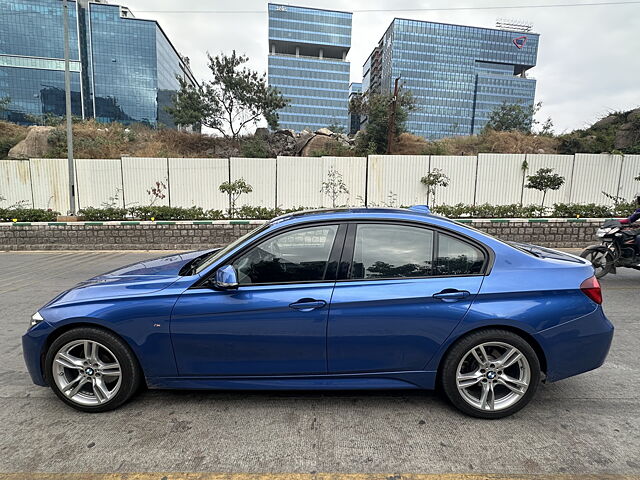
[[275, 320], [393, 325], [251, 331]]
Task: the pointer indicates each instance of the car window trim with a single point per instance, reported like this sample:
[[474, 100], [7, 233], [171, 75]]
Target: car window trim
[[348, 250], [335, 250]]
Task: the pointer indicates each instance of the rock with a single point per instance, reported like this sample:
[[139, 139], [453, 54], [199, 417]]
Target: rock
[[343, 139], [317, 144], [302, 140], [262, 132], [286, 131], [626, 136], [605, 122], [324, 131], [634, 115], [281, 143], [35, 145]]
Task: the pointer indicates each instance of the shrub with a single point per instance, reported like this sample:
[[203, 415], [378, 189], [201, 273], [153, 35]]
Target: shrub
[[27, 215], [103, 214], [167, 213], [255, 147]]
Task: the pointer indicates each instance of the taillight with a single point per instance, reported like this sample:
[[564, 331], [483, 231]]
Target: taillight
[[591, 288]]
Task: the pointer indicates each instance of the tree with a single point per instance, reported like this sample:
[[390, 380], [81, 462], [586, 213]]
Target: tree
[[513, 117], [235, 98], [334, 186], [544, 180], [377, 108], [234, 190], [432, 180]]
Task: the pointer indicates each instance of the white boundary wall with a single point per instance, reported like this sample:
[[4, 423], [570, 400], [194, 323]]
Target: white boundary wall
[[287, 182]]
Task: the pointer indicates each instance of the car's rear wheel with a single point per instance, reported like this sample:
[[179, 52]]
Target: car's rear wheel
[[491, 373], [92, 370]]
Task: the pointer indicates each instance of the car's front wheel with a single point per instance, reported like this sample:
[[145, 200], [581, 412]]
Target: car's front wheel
[[91, 369], [491, 373]]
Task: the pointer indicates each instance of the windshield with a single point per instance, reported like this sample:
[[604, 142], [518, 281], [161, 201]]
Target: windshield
[[214, 256]]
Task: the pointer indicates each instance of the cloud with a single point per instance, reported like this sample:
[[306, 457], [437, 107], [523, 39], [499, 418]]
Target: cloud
[[588, 63]]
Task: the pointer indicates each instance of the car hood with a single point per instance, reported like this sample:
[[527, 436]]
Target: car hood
[[132, 280]]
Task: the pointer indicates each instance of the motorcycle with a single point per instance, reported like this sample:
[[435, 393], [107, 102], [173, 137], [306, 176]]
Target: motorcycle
[[618, 249]]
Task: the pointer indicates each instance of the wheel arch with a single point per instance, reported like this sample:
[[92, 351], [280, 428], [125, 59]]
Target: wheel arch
[[530, 339], [58, 332]]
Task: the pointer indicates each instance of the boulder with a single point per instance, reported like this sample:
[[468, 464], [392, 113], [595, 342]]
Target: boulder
[[262, 132], [324, 131], [35, 144], [302, 140], [626, 136], [318, 143], [281, 143], [286, 131]]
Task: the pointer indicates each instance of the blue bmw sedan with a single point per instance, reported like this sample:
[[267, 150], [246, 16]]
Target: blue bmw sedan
[[361, 298]]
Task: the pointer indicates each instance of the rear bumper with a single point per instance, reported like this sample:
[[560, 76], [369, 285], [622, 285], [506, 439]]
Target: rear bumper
[[33, 348], [577, 346]]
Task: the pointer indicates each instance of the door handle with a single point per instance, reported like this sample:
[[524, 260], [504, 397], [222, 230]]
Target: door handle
[[307, 304], [451, 295]]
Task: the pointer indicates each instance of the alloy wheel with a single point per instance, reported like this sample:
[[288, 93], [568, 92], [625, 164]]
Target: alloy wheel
[[493, 376], [87, 372]]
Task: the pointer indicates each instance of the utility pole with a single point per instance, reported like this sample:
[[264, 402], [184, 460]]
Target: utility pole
[[391, 128], [67, 92]]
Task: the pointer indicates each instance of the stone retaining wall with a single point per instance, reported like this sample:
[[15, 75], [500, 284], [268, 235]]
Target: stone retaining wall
[[197, 235]]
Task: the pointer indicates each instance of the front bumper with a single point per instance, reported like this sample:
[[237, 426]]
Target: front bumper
[[577, 346], [33, 343]]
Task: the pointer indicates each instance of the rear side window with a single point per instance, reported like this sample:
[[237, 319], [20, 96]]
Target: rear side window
[[403, 251], [457, 257], [392, 251]]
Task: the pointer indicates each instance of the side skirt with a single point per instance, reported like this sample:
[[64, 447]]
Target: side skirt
[[362, 381]]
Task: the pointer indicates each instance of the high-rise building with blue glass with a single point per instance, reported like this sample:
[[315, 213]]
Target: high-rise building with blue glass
[[457, 74], [123, 68], [307, 51]]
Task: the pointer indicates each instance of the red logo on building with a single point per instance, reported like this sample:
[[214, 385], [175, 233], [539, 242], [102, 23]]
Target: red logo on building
[[520, 41]]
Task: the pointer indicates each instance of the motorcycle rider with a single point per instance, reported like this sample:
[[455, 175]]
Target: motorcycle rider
[[635, 216]]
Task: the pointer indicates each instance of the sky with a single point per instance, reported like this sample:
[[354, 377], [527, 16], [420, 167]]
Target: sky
[[588, 58]]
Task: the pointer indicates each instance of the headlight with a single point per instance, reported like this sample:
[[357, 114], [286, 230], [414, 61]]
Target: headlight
[[36, 319]]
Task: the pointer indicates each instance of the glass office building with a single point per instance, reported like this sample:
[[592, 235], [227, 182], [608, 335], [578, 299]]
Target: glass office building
[[457, 74], [307, 51], [123, 68]]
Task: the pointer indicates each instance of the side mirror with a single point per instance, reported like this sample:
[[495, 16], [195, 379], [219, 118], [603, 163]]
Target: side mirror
[[226, 278]]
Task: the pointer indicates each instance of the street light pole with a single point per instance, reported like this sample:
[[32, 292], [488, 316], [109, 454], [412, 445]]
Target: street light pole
[[67, 94]]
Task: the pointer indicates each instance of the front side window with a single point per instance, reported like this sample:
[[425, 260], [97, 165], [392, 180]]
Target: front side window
[[300, 255], [392, 251]]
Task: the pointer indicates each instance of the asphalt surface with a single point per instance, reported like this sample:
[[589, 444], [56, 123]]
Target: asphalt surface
[[584, 425]]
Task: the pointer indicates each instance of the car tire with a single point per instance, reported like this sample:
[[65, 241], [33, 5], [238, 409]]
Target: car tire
[[490, 374], [97, 369]]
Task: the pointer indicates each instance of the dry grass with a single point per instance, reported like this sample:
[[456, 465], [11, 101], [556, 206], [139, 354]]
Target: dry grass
[[97, 140], [10, 135], [489, 142]]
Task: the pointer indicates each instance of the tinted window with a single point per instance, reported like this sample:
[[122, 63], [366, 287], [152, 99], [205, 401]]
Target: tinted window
[[456, 257], [392, 251], [294, 256]]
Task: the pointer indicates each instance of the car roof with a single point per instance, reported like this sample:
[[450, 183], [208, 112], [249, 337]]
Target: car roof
[[418, 212]]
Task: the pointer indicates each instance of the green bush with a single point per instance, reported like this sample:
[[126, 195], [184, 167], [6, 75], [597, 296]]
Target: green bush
[[103, 214], [247, 212], [489, 211], [264, 213], [174, 213], [574, 210], [27, 215]]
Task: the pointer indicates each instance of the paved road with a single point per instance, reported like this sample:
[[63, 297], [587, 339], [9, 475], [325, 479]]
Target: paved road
[[587, 424]]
